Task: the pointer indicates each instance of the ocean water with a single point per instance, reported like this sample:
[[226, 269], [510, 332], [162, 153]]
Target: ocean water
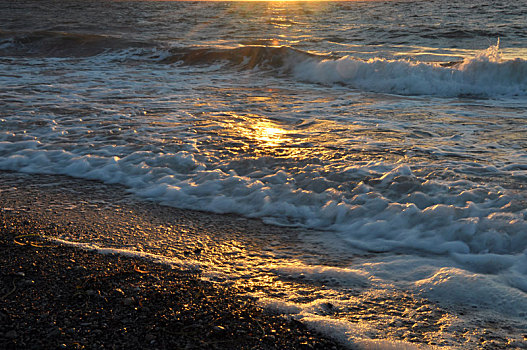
[[393, 132]]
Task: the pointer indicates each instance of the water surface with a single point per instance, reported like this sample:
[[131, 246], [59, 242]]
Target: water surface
[[393, 132]]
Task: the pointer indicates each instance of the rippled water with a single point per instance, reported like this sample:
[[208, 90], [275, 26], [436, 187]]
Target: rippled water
[[393, 128]]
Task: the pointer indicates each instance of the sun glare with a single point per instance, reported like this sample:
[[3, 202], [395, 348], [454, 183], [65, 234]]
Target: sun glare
[[269, 134]]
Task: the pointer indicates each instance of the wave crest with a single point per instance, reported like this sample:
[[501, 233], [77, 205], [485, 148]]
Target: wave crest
[[485, 75], [61, 44], [244, 57]]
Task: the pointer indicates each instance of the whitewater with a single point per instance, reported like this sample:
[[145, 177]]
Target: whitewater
[[390, 135]]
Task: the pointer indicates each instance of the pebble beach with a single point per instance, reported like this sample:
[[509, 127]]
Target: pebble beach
[[60, 297], [263, 174]]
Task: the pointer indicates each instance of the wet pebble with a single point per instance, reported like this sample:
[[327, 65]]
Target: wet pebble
[[11, 334], [218, 329]]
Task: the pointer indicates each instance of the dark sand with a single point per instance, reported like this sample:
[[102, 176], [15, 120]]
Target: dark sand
[[59, 297]]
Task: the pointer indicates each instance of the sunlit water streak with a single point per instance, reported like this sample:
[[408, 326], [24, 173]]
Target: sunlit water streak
[[394, 130]]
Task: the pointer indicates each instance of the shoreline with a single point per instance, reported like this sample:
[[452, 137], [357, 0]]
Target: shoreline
[[73, 296], [55, 296]]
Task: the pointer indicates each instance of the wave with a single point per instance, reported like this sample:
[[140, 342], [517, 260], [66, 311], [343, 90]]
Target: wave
[[486, 75], [390, 210], [61, 44], [248, 57]]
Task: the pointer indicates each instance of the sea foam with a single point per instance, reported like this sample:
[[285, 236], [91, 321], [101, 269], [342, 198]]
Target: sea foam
[[485, 75], [397, 210]]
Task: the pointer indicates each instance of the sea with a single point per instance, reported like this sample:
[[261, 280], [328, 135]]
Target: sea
[[390, 135]]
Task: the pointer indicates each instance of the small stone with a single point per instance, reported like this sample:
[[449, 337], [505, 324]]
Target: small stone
[[27, 282], [4, 316], [55, 332], [218, 329], [150, 337], [306, 346], [11, 335], [128, 301]]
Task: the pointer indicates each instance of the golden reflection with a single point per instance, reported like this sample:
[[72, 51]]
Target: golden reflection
[[270, 135], [248, 133], [259, 98], [267, 133]]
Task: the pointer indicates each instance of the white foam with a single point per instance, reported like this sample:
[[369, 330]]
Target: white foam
[[327, 274], [483, 283], [356, 335], [189, 264], [479, 296], [435, 278], [465, 218], [485, 75], [462, 288]]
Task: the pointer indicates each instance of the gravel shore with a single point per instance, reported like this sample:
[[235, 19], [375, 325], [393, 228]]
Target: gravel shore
[[55, 296], [59, 297]]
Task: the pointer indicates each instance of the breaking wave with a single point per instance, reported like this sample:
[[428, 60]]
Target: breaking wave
[[486, 75], [248, 57]]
